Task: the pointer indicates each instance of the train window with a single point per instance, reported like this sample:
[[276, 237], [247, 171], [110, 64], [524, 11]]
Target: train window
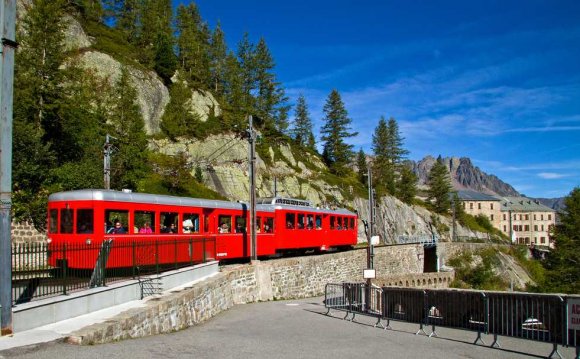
[[190, 223], [53, 221], [290, 219], [116, 221], [300, 224], [206, 223], [240, 224], [269, 225], [224, 224], [318, 222], [345, 223], [66, 220], [168, 222], [85, 221], [258, 224], [144, 222], [332, 219], [339, 223], [310, 222], [352, 223]]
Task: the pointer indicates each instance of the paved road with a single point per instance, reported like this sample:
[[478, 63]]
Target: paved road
[[293, 329]]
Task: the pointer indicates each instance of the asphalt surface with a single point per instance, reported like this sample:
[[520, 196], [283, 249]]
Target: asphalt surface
[[294, 329]]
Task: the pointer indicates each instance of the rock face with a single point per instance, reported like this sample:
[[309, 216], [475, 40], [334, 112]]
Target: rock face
[[465, 175]]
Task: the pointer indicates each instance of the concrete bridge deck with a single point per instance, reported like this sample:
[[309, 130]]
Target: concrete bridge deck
[[292, 329]]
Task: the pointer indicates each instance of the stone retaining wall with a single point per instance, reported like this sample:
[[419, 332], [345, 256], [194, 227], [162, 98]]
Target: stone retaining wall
[[289, 278], [417, 280]]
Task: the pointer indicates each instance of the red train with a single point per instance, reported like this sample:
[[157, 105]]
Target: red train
[[85, 219]]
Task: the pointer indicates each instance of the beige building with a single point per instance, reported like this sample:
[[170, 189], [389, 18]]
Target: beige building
[[527, 221], [475, 203], [523, 219]]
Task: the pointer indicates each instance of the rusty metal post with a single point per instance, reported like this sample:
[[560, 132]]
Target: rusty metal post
[[252, 164], [7, 26]]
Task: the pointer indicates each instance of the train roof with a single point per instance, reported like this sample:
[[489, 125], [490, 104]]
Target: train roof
[[125, 196]]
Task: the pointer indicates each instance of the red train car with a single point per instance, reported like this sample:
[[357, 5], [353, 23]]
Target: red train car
[[147, 229]]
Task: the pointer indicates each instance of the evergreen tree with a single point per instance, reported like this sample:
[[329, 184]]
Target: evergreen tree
[[407, 187], [439, 187], [361, 163], [247, 71], [193, 46], [302, 130], [177, 119], [383, 167], [218, 58], [37, 124], [563, 263], [130, 162], [311, 143], [126, 13], [336, 153], [234, 93]]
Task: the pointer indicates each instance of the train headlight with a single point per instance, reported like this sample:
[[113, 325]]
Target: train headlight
[[88, 241], [48, 240]]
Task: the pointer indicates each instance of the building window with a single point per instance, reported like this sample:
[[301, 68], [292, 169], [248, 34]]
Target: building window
[[527, 217], [515, 217], [515, 227], [478, 205], [491, 217], [470, 205], [534, 217], [504, 216], [535, 227], [542, 240], [504, 228], [491, 206], [527, 228], [549, 217], [542, 227], [541, 217], [521, 217]]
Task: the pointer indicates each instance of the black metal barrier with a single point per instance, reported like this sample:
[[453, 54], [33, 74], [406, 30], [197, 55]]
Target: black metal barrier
[[539, 317]]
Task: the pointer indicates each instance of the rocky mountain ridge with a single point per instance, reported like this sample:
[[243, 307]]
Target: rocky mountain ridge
[[464, 175]]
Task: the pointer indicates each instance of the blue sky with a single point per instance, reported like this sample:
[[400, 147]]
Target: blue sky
[[496, 81]]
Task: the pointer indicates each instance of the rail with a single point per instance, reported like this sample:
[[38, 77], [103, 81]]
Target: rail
[[81, 266], [538, 317], [418, 239]]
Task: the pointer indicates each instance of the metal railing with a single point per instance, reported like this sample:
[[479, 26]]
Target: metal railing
[[539, 317], [419, 239], [41, 270]]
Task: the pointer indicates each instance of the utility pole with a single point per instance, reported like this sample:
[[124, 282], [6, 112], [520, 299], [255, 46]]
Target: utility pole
[[107, 150], [370, 248], [252, 163], [7, 26], [454, 235]]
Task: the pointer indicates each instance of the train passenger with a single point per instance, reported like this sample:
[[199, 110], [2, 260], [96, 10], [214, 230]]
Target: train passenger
[[289, 225], [187, 226], [267, 228], [239, 228], [118, 229], [224, 228], [146, 229], [172, 228]]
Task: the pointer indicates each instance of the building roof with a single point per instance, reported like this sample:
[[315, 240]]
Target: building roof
[[467, 195], [523, 204]]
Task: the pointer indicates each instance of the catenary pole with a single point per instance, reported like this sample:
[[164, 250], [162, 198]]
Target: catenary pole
[[7, 26], [252, 164]]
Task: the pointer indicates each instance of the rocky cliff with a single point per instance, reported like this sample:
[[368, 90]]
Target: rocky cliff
[[464, 175]]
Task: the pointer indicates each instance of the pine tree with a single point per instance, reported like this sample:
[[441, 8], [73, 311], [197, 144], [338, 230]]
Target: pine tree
[[302, 130], [562, 264], [439, 187], [248, 71], [130, 162], [407, 187], [311, 143], [177, 119], [383, 167], [218, 58], [336, 153], [361, 163], [193, 46]]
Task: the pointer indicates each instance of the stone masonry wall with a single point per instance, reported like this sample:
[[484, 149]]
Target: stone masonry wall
[[289, 278], [26, 233]]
